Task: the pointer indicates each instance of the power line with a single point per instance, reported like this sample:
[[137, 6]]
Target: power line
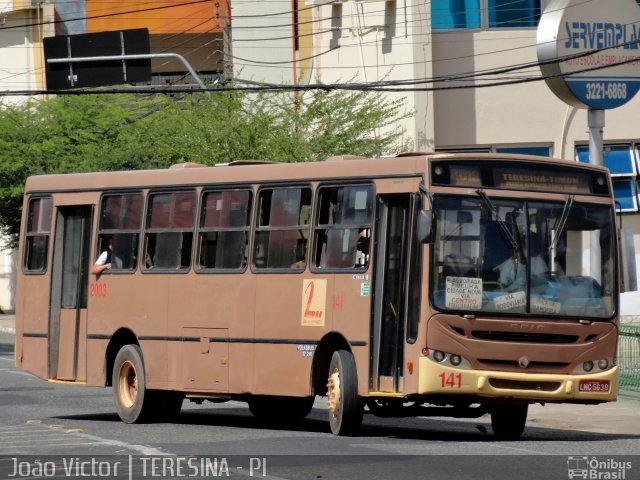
[[265, 87]]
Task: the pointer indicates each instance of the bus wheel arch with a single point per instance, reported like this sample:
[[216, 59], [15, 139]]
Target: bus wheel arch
[[119, 339], [329, 344]]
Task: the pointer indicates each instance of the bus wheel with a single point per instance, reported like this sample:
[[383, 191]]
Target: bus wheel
[[280, 408], [508, 421], [345, 406], [133, 402]]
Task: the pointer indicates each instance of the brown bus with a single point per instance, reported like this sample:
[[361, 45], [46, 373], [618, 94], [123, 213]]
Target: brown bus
[[425, 284]]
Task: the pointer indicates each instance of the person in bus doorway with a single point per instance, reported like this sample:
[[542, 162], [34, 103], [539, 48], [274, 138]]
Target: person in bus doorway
[[104, 260]]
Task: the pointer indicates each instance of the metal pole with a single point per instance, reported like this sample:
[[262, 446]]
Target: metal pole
[[596, 124], [142, 56]]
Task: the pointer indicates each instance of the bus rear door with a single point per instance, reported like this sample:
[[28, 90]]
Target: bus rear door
[[69, 285]]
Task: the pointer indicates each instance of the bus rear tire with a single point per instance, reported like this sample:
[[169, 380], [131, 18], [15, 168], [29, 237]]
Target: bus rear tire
[[345, 407], [134, 403], [508, 420]]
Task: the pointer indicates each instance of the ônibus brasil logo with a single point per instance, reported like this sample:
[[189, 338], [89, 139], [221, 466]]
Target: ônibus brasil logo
[[593, 468]]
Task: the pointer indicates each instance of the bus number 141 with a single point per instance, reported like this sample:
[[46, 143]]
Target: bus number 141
[[453, 380]]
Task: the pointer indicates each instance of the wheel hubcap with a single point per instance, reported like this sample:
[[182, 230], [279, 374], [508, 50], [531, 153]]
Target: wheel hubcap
[[333, 392], [128, 384]]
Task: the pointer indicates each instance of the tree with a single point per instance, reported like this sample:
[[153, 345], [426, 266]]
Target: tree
[[123, 132]]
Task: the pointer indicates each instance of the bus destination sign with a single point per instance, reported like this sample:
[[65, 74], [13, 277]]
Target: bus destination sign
[[541, 180], [598, 49], [534, 179]]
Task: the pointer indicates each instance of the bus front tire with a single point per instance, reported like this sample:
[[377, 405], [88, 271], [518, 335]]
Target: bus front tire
[[345, 407], [134, 403], [508, 421]]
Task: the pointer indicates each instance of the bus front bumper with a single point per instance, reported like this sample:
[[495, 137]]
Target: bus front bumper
[[435, 378]]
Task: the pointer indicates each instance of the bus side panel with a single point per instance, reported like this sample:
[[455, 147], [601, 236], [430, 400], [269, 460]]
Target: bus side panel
[[213, 315], [351, 302], [96, 367], [135, 302], [292, 314], [32, 324]]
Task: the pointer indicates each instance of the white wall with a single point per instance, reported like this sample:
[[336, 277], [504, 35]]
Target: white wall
[[378, 40], [21, 52], [21, 68], [262, 45], [8, 265]]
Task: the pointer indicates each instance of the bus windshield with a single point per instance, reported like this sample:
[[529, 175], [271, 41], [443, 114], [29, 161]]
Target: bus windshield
[[523, 257]]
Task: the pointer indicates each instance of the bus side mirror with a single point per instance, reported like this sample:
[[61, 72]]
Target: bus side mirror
[[424, 226]]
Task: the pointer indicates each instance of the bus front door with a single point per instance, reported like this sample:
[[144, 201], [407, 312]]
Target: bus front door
[[69, 284], [389, 304]]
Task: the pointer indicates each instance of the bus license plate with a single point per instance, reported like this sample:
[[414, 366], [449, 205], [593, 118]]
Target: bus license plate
[[594, 385]]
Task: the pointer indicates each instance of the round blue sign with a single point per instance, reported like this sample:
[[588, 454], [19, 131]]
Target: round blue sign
[[591, 55]]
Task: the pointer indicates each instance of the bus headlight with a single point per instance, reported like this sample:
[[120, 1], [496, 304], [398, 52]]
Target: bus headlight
[[591, 366], [449, 359], [438, 356]]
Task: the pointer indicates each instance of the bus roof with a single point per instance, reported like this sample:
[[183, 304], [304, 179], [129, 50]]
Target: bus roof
[[250, 171]]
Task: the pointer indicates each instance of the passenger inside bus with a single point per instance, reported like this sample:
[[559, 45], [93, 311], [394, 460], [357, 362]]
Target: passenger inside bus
[[104, 260]]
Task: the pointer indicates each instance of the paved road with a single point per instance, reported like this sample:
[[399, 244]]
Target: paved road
[[41, 418]]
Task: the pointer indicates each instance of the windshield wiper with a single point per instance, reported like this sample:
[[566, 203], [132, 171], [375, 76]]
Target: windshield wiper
[[556, 231], [515, 246], [561, 221]]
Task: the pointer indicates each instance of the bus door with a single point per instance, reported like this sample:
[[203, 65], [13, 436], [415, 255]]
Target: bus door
[[69, 283], [390, 289]]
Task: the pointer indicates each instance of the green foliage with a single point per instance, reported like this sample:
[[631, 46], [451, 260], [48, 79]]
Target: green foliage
[[125, 132]]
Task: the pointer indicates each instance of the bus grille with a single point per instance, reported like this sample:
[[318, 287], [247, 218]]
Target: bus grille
[[524, 337], [521, 385], [534, 366]]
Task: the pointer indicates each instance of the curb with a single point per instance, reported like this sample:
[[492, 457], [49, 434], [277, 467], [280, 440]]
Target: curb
[[629, 395]]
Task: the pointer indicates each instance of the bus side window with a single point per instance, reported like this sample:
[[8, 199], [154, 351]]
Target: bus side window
[[343, 227], [283, 228], [224, 230], [169, 231], [37, 235], [120, 219]]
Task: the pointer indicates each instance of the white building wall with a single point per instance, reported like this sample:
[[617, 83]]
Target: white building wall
[[8, 270], [352, 42], [20, 50], [378, 41], [262, 41], [21, 69]]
